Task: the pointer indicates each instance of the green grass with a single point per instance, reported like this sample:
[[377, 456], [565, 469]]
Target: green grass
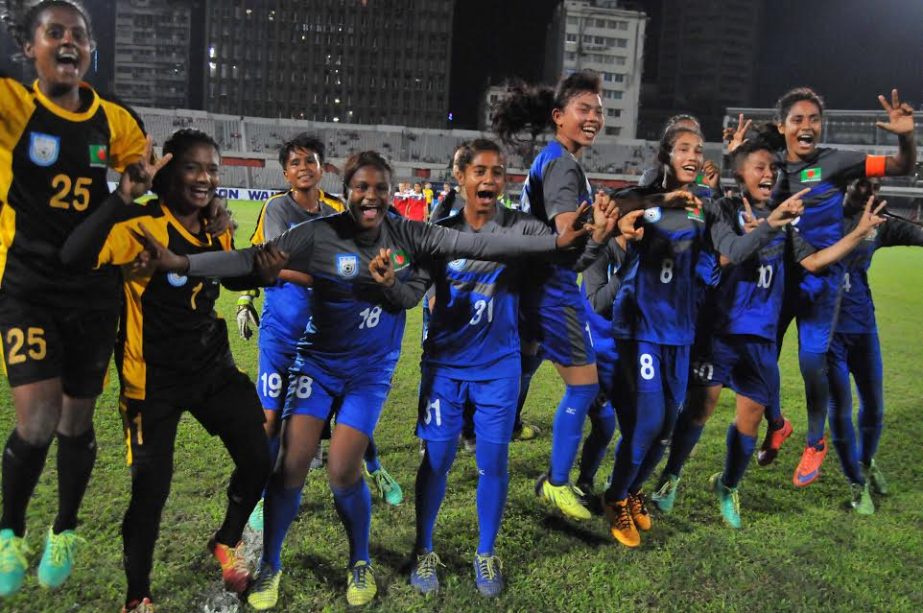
[[799, 549]]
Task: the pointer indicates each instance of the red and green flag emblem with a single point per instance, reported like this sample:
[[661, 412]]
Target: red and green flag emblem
[[695, 214], [400, 259], [99, 156], [810, 175]]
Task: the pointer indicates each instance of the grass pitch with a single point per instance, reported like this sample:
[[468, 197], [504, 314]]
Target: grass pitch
[[798, 549]]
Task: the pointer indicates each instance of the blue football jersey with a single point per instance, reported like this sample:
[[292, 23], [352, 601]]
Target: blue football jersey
[[748, 299], [556, 184], [857, 310], [473, 331]]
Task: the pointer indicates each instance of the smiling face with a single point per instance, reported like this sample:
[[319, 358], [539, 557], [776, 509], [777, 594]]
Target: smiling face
[[483, 181], [757, 173], [60, 49], [686, 158], [802, 129], [580, 121], [368, 196], [303, 169], [194, 177]]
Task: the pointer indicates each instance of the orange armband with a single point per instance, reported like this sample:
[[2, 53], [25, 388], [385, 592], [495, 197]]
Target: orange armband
[[875, 165]]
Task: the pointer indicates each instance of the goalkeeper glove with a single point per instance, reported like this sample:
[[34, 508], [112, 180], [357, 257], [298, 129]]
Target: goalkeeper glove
[[247, 317]]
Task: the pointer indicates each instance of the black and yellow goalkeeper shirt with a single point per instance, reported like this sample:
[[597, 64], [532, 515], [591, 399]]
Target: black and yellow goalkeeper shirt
[[170, 337], [53, 165]]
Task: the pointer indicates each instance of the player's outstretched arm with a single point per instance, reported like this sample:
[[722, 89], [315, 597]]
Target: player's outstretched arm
[[401, 294], [869, 221], [900, 122]]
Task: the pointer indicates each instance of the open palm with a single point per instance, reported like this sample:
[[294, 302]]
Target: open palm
[[900, 115]]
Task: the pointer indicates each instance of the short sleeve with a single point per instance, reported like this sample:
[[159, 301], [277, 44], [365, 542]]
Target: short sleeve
[[127, 139], [273, 222], [562, 183]]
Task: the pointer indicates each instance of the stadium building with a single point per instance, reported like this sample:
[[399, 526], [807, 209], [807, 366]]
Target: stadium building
[[290, 59]]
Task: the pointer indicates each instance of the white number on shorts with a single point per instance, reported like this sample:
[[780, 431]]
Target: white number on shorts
[[303, 387], [704, 371], [846, 284], [666, 270], [272, 384], [647, 366], [370, 317], [765, 279], [479, 307], [430, 409]]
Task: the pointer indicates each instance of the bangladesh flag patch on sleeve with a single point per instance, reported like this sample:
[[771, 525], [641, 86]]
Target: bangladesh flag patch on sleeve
[[400, 259], [811, 175]]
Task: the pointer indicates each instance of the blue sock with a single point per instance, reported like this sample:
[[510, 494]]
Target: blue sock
[[530, 364], [602, 428], [657, 448], [372, 463], [685, 437], [568, 429], [280, 508], [739, 451], [641, 420], [354, 506], [274, 443], [493, 482], [817, 393], [430, 488]]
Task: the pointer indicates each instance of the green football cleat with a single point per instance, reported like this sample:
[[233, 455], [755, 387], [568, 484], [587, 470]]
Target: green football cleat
[[264, 593], [360, 584], [13, 562], [566, 498], [875, 478], [58, 558], [665, 496], [388, 488], [256, 517], [862, 502], [728, 501]]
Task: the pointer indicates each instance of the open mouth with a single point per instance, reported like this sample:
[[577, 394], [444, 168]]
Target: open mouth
[[369, 211], [690, 168], [486, 195], [200, 193], [765, 188], [68, 57], [590, 131], [805, 139]]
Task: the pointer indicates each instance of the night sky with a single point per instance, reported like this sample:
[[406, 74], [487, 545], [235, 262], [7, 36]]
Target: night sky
[[848, 50]]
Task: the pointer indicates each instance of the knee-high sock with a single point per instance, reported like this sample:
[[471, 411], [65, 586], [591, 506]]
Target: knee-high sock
[[568, 429], [249, 449], [493, 482], [150, 487], [656, 449], [868, 375], [430, 488], [372, 463], [739, 451], [602, 428], [530, 364], [22, 466], [842, 433], [640, 421], [280, 509], [76, 456], [354, 506], [686, 436], [816, 391]]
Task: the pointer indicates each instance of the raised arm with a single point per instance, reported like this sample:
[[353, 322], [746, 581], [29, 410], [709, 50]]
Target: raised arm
[[900, 122], [818, 261], [401, 294]]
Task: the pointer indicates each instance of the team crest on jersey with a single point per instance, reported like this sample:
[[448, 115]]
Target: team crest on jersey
[[696, 214], [458, 265], [348, 265], [811, 175], [176, 280], [653, 214], [44, 148]]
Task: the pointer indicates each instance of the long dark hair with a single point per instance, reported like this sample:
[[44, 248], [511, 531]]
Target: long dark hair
[[769, 131], [179, 143], [669, 139], [529, 107]]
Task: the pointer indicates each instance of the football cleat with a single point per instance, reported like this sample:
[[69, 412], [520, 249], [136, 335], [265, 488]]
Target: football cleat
[[360, 584], [566, 498], [862, 502], [773, 443], [728, 500], [388, 488], [264, 593], [621, 525], [58, 558], [13, 562], [808, 469], [256, 517], [665, 496], [637, 506], [234, 571], [875, 478], [527, 433], [488, 575], [425, 576], [139, 606]]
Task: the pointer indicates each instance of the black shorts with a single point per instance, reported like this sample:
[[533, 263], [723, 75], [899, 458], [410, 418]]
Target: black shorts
[[224, 402], [44, 342]]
